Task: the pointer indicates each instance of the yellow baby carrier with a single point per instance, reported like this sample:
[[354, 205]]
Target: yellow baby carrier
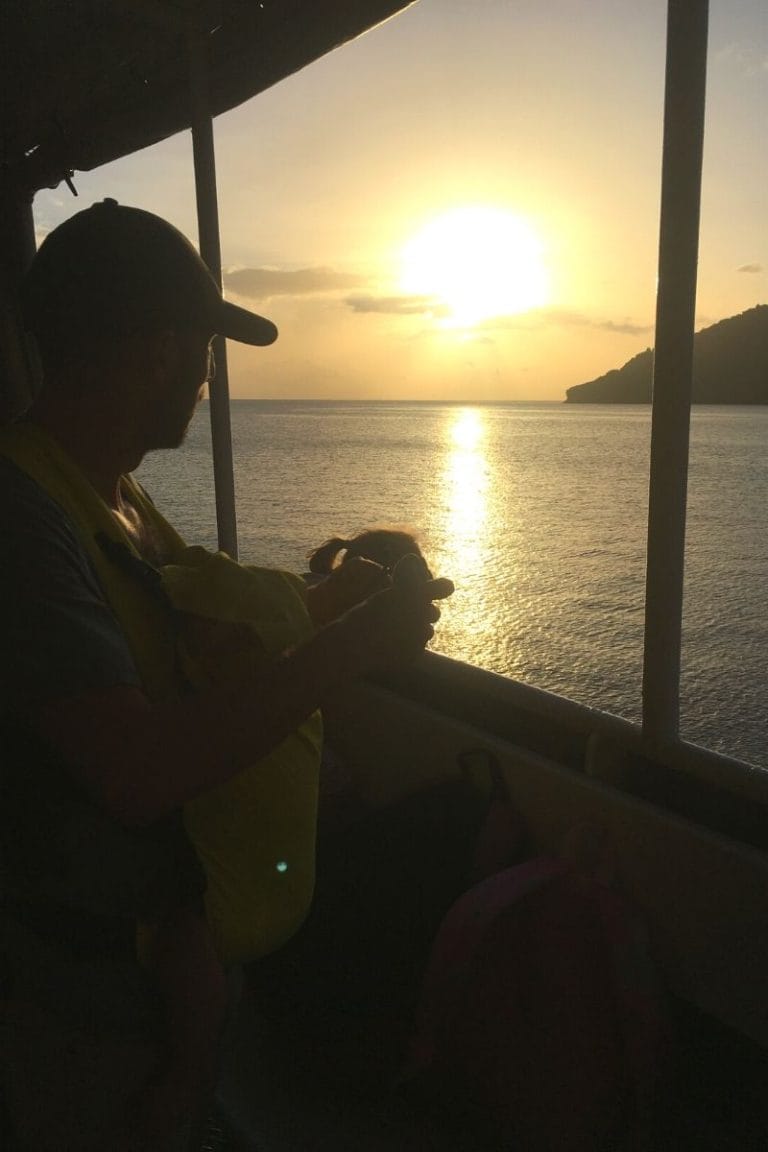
[[214, 622]]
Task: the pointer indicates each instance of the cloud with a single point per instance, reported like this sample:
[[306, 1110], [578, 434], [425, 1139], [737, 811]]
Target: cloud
[[748, 59], [624, 327], [262, 283], [563, 318], [538, 318], [397, 305], [753, 268]]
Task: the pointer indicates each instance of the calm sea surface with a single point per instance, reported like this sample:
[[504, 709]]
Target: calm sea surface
[[538, 513]]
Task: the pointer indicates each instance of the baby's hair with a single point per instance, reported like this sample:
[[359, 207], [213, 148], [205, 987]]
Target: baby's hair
[[384, 546]]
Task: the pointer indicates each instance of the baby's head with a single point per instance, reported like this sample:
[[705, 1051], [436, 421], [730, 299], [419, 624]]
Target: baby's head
[[385, 546]]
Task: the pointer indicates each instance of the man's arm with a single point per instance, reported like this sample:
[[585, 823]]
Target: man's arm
[[66, 670], [141, 760]]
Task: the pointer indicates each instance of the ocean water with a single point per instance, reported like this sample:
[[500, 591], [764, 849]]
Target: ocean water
[[538, 513]]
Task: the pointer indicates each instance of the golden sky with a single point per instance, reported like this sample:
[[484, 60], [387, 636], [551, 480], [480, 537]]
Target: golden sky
[[463, 203]]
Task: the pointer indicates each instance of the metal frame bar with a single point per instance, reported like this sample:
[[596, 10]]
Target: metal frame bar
[[210, 250], [684, 103], [17, 243]]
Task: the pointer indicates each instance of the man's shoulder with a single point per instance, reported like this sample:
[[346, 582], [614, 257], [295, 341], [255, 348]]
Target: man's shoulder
[[58, 634], [27, 511], [37, 537], [22, 496]]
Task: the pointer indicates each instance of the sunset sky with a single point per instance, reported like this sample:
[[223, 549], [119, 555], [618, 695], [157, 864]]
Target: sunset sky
[[463, 203]]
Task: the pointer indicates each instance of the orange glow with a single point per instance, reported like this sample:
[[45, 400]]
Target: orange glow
[[479, 262]]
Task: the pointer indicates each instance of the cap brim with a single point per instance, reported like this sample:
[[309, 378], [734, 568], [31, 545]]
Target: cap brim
[[244, 326]]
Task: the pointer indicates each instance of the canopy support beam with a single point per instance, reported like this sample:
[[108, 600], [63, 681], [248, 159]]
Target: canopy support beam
[[684, 102], [17, 243], [210, 250]]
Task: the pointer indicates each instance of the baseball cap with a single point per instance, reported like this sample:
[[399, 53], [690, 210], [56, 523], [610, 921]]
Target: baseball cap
[[112, 270]]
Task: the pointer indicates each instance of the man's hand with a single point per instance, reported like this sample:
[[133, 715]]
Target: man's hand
[[347, 585], [391, 627]]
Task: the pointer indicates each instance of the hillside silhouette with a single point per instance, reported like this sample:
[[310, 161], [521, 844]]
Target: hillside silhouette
[[730, 366]]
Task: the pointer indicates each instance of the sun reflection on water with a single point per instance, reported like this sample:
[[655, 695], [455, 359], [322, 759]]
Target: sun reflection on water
[[484, 544], [466, 481]]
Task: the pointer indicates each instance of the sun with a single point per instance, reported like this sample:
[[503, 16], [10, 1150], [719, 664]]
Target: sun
[[478, 262]]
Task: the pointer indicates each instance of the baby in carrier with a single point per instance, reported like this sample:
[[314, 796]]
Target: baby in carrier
[[369, 558], [383, 546]]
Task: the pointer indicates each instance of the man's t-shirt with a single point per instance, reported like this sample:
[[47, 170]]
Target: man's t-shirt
[[58, 636], [73, 868]]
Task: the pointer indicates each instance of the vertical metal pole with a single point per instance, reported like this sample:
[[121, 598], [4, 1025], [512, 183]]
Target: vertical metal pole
[[17, 232], [210, 250], [673, 363], [17, 243]]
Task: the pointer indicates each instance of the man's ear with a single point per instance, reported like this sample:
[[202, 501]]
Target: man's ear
[[159, 353]]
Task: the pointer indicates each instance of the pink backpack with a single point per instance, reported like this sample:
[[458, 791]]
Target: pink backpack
[[538, 1017]]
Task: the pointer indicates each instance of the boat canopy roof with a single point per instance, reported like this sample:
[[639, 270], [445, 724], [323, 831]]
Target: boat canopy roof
[[84, 82]]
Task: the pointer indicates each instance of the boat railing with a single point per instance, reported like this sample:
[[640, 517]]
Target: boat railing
[[586, 739]]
